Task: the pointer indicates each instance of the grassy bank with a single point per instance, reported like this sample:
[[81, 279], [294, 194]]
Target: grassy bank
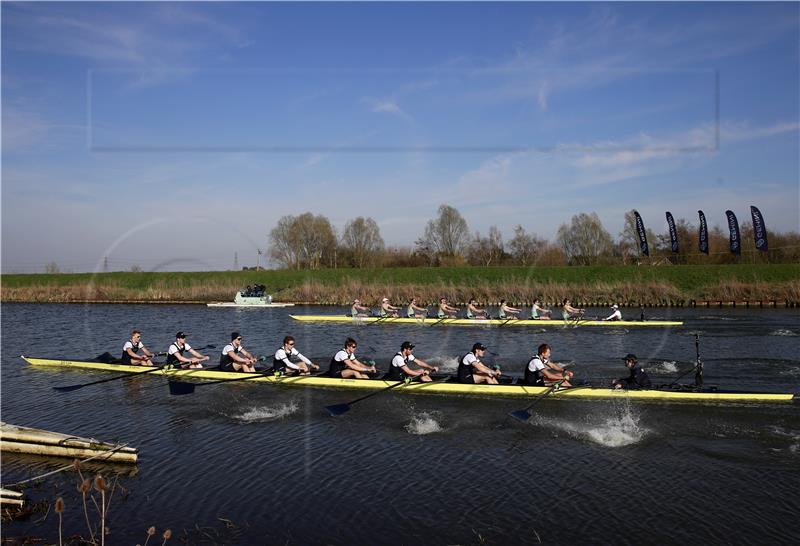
[[601, 284]]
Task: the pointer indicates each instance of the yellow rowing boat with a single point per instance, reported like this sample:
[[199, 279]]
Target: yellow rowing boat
[[677, 393], [486, 322]]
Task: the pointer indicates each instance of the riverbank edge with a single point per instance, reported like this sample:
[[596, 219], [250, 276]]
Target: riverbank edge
[[766, 285]]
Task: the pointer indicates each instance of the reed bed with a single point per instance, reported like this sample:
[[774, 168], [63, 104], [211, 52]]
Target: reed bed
[[598, 285]]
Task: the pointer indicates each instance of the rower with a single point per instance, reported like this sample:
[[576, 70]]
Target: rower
[[414, 311], [282, 362], [387, 309], [358, 310], [473, 312], [130, 351], [538, 312], [175, 354], [616, 314], [472, 370], [637, 379], [506, 310], [570, 312], [445, 310], [235, 358], [345, 365], [399, 369], [541, 372]]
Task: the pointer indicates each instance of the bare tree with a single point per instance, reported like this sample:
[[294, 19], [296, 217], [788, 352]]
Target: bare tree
[[448, 234], [585, 239], [487, 250], [303, 242], [52, 268], [525, 247], [363, 242], [628, 244], [283, 243]]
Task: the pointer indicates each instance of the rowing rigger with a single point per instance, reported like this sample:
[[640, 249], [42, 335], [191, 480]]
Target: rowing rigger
[[678, 393]]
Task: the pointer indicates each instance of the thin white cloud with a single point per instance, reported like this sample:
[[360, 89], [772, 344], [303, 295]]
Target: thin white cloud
[[698, 140], [24, 128], [160, 35], [384, 105]]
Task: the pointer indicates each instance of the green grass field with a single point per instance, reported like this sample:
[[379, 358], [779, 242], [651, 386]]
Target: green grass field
[[631, 284]]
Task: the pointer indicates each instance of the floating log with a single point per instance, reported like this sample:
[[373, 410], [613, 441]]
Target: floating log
[[7, 496], [34, 441]]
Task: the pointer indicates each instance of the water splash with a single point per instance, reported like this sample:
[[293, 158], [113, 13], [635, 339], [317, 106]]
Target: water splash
[[666, 366], [446, 364], [266, 413], [423, 423], [619, 430], [783, 332], [614, 331], [792, 436]]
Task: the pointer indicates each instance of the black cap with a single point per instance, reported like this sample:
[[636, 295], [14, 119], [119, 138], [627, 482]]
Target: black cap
[[406, 345], [630, 356], [180, 335], [479, 347], [234, 335]]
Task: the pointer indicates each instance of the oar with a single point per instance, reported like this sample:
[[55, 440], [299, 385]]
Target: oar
[[380, 319], [179, 388], [444, 318], [509, 319], [582, 319], [69, 388], [525, 414], [698, 378], [339, 409]]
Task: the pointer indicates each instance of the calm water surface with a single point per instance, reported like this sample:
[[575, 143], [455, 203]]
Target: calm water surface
[[253, 464]]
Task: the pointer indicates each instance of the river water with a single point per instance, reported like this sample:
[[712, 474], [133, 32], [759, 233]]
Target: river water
[[253, 464]]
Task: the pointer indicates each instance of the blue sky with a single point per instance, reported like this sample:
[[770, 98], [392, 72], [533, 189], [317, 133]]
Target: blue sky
[[173, 135]]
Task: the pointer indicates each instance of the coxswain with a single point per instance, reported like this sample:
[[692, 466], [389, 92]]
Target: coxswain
[[445, 310], [508, 312], [345, 365], [175, 354], [472, 370], [358, 310], [570, 312], [387, 309], [541, 372], [399, 369], [474, 312], [235, 358], [415, 311], [130, 351], [616, 314], [538, 312], [638, 377], [282, 362]]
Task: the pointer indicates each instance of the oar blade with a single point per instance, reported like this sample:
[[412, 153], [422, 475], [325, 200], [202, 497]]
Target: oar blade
[[179, 388], [68, 388], [338, 409], [521, 415]]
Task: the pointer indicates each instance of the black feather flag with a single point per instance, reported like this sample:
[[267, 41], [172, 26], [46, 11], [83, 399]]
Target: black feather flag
[[759, 229], [673, 233], [733, 226]]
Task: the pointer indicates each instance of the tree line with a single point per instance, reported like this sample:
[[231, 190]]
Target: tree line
[[309, 241]]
